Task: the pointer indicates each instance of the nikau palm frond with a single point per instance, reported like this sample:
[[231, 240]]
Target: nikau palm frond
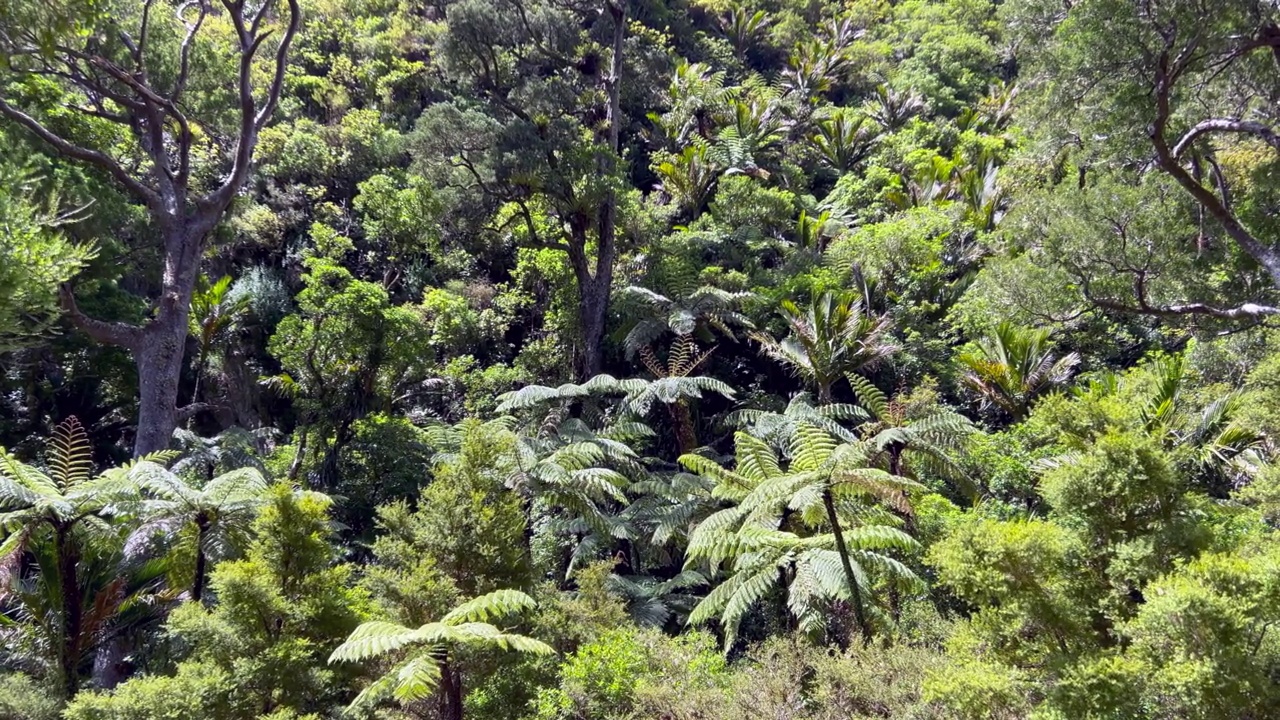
[[1014, 366], [834, 336]]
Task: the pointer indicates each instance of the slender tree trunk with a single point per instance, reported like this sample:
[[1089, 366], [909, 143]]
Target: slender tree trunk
[[201, 360], [296, 466], [855, 593], [69, 653], [202, 535]]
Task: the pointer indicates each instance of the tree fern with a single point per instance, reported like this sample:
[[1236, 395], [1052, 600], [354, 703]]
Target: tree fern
[[789, 515], [416, 676]]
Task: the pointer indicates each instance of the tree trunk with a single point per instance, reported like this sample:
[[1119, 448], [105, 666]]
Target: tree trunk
[[296, 465], [593, 309], [682, 418], [202, 534], [69, 653], [594, 288], [855, 593], [450, 692], [159, 362], [824, 393]]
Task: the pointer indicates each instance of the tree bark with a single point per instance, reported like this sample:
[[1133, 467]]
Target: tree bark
[[159, 363], [72, 619], [450, 692], [593, 311], [682, 419]]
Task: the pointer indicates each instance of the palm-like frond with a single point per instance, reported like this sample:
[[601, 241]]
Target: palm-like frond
[[1013, 366], [776, 428], [704, 310], [833, 336], [495, 604]]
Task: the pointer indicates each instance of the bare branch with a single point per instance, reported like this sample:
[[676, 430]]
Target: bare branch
[[1244, 311], [282, 56], [184, 54], [71, 150], [1264, 254], [113, 333], [1226, 125], [252, 120]]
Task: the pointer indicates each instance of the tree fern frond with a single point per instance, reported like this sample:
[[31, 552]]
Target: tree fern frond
[[494, 604], [879, 537], [811, 446], [371, 639], [416, 678], [869, 396], [70, 454]]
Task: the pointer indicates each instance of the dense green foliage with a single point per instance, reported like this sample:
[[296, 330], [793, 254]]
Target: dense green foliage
[[694, 359]]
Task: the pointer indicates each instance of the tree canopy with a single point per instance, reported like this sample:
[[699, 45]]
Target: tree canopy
[[620, 359]]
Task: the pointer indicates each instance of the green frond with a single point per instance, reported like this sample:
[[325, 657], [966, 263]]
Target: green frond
[[373, 638], [712, 605], [878, 537], [869, 396], [728, 483], [828, 573], [247, 482], [479, 633], [894, 571], [885, 487], [714, 540], [159, 482], [746, 595], [70, 454], [494, 604], [21, 484], [534, 395], [416, 678], [811, 446], [756, 459], [600, 482], [773, 494]]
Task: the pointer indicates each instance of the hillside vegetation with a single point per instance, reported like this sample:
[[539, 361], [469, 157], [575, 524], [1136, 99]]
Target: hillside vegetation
[[639, 359]]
